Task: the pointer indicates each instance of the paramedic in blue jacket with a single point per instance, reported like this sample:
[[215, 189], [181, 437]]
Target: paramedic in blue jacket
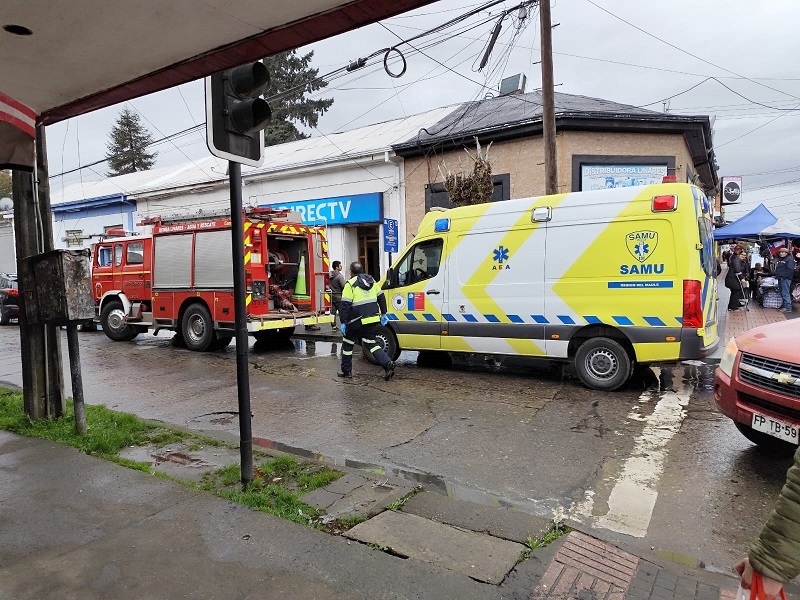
[[784, 271], [363, 306]]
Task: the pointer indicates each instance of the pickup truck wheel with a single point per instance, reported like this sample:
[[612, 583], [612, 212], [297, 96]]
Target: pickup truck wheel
[[384, 338], [112, 319], [603, 364], [198, 328]]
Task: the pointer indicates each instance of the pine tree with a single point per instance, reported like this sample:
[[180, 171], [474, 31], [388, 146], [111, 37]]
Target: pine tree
[[127, 145], [291, 79]]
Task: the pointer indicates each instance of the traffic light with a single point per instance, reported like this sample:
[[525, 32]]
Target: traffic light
[[236, 114]]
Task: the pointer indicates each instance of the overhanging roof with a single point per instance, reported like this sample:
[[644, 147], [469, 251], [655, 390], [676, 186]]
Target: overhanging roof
[[86, 55]]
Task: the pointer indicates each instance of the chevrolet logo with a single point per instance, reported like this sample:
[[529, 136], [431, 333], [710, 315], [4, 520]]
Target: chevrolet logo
[[784, 378]]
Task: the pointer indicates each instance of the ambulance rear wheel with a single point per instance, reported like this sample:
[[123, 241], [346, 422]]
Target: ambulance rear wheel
[[197, 328], [603, 364], [384, 338], [112, 318]]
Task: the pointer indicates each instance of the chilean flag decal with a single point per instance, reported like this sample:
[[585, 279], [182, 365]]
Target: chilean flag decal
[[416, 300]]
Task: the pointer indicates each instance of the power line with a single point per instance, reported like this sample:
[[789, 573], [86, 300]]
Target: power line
[[678, 48]]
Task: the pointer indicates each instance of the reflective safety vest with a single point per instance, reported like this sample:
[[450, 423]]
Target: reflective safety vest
[[362, 300]]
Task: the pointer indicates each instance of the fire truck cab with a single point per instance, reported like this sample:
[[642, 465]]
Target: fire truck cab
[[180, 278]]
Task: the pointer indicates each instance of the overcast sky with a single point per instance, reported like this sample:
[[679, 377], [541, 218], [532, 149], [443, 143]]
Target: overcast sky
[[674, 55]]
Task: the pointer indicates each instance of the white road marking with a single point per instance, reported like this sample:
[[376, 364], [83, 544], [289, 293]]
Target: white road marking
[[633, 498]]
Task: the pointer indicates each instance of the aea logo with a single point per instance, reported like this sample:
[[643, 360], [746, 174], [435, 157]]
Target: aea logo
[[500, 256]]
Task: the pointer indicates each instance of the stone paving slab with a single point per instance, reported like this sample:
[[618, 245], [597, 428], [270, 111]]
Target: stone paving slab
[[367, 500], [481, 557], [497, 521]]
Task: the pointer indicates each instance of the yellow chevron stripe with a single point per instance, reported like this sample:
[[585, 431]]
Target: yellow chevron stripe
[[247, 258], [248, 299]]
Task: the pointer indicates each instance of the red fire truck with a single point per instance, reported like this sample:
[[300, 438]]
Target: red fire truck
[[180, 278]]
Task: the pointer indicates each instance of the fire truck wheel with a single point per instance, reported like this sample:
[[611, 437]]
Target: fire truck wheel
[[385, 338], [197, 328], [113, 321], [603, 364]]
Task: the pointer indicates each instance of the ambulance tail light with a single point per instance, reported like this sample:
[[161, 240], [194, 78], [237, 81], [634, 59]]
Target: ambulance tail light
[[665, 203], [692, 304]]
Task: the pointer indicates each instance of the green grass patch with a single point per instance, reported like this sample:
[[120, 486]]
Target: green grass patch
[[276, 488], [555, 532], [107, 433], [401, 502]]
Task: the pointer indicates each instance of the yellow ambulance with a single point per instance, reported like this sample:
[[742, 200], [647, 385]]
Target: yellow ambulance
[[606, 279]]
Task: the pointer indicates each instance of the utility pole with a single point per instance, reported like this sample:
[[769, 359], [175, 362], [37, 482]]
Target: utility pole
[[548, 101], [40, 350]]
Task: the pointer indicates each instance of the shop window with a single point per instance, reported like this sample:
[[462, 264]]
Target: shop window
[[436, 195]]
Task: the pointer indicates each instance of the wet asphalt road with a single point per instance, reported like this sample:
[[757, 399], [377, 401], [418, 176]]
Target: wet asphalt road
[[652, 466]]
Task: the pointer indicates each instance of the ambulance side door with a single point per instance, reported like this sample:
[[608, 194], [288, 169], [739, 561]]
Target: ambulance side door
[[415, 295]]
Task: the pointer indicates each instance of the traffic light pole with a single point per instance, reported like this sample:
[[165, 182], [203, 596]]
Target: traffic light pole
[[240, 310]]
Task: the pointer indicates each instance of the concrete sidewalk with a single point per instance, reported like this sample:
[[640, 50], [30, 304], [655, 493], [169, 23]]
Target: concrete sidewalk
[[76, 527]]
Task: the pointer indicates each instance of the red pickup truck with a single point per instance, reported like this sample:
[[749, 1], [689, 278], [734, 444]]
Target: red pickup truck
[[757, 384]]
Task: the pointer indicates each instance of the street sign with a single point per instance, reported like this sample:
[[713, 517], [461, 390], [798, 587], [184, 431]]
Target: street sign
[[390, 241], [731, 189]]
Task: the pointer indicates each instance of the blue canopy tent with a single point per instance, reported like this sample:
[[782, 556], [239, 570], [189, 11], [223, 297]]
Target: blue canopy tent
[[758, 224]]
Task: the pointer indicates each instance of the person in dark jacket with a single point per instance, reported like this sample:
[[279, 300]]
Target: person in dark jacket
[[736, 278], [784, 271], [363, 306], [776, 552], [336, 285]]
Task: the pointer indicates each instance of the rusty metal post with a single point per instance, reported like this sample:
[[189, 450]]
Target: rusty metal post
[[32, 337], [52, 339], [77, 378]]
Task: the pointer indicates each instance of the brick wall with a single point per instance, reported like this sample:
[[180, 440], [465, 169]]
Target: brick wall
[[523, 159]]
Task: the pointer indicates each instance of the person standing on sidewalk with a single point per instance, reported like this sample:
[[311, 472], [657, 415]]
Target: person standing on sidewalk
[[784, 271], [776, 552], [734, 278], [336, 285], [363, 306]]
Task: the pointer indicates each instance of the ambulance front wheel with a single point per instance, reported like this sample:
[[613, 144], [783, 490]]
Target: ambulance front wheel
[[603, 364], [112, 319], [384, 338]]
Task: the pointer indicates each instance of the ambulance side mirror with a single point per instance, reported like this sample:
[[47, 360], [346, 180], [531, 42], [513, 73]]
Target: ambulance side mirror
[[389, 279], [542, 214]]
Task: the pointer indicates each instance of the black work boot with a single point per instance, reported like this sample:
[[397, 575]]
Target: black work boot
[[346, 374], [388, 371]]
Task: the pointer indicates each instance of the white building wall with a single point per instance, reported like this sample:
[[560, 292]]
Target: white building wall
[[88, 226]]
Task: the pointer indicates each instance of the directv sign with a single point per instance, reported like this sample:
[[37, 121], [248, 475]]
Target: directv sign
[[341, 210], [731, 190]]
